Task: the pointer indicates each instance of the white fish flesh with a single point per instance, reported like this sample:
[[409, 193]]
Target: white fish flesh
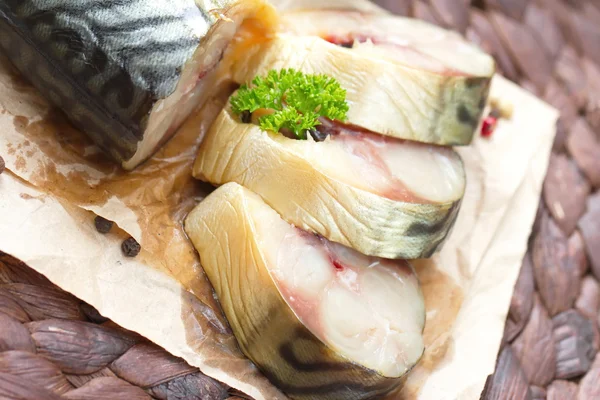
[[127, 73], [382, 196], [404, 77], [320, 320]]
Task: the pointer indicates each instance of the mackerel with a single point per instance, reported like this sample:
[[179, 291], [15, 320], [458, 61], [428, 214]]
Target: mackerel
[[126, 72]]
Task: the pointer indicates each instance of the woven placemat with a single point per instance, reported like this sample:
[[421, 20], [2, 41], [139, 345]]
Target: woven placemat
[[552, 48], [53, 346]]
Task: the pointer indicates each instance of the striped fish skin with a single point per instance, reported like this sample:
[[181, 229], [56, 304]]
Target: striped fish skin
[[234, 252], [108, 63]]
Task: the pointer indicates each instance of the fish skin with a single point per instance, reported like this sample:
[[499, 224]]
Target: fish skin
[[106, 63], [266, 328], [85, 45], [311, 200]]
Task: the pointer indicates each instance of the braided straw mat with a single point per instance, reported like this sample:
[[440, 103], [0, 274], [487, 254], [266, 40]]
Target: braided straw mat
[[53, 346]]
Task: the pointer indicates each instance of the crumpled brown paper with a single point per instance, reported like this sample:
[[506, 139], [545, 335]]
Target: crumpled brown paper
[[57, 182]]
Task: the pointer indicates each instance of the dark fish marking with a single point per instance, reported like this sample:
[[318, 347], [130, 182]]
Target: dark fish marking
[[435, 122], [151, 47], [430, 250], [76, 7], [465, 117], [482, 102], [482, 87], [341, 387], [133, 25], [20, 42], [205, 14], [266, 322], [99, 60], [485, 93], [424, 228], [437, 242], [40, 17], [77, 43], [340, 372], [304, 334], [342, 390], [71, 39], [124, 88], [474, 82], [287, 353]]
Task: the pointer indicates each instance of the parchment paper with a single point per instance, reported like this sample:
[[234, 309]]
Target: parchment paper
[[56, 178]]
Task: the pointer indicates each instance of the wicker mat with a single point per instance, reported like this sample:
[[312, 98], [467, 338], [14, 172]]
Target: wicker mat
[[53, 346], [552, 48]]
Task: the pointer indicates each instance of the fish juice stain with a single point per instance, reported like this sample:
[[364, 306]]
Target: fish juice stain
[[443, 301], [160, 193]]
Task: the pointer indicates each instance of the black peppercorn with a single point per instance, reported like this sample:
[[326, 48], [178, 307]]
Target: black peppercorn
[[2, 165], [246, 116], [103, 225], [131, 247], [92, 314], [318, 135], [347, 45]]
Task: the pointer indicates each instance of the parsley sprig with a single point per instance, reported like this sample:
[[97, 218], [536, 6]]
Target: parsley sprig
[[297, 100]]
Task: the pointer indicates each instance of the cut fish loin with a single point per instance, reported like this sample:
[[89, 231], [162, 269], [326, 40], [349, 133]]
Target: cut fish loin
[[404, 78], [406, 41], [382, 196], [126, 73], [321, 321]]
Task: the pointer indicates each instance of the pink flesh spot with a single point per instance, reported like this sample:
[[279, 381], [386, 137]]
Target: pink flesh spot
[[346, 274], [338, 266], [366, 145], [304, 308], [202, 75], [349, 39], [346, 41]]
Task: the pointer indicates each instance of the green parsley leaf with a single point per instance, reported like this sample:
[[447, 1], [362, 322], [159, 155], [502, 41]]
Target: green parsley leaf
[[297, 99]]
